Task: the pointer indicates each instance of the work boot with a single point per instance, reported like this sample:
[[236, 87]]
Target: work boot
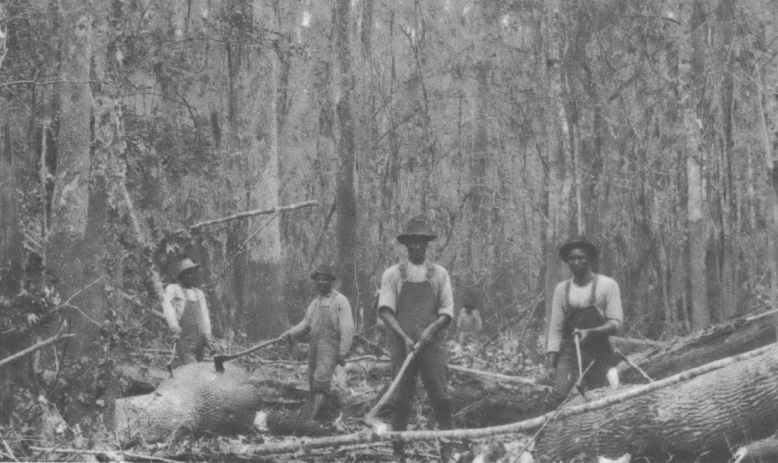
[[398, 452]]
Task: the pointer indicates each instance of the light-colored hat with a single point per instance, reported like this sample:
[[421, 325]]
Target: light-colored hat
[[185, 264]]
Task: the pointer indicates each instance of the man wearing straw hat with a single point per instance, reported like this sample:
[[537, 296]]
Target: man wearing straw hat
[[187, 314], [586, 309], [330, 324], [416, 304]]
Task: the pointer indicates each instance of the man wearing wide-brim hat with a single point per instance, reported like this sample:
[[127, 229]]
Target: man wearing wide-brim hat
[[186, 312], [416, 303], [329, 322], [587, 306]]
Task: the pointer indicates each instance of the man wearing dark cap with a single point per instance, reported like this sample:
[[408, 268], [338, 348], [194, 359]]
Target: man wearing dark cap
[[416, 304], [587, 306], [187, 314], [330, 324]]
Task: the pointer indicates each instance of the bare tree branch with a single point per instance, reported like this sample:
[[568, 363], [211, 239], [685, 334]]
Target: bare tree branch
[[246, 214]]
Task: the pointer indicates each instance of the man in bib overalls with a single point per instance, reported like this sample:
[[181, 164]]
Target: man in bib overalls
[[416, 304], [587, 306], [330, 324], [187, 314]]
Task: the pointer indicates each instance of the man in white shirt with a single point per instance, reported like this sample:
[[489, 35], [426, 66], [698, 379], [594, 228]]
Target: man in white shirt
[[329, 323], [187, 314], [416, 304], [587, 306]]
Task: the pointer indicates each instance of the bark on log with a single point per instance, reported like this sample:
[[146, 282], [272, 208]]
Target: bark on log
[[197, 401], [712, 412], [717, 342], [759, 451]]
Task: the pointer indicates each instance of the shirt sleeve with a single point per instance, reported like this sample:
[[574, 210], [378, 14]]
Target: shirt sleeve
[[445, 293], [346, 325], [387, 296], [302, 328], [168, 306], [205, 314], [554, 339], [613, 309]]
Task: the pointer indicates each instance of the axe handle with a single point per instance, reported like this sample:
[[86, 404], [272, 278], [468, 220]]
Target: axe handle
[[220, 359], [370, 417]]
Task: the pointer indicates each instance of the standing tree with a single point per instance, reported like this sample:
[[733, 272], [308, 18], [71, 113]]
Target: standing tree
[[345, 144]]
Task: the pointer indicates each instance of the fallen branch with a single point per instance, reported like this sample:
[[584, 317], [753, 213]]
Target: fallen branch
[[522, 426], [32, 349], [497, 376], [114, 454], [243, 215]]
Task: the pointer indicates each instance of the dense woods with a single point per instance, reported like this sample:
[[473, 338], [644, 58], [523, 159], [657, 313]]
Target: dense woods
[[649, 126]]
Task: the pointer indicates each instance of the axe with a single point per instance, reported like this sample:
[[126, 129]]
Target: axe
[[220, 359], [577, 338]]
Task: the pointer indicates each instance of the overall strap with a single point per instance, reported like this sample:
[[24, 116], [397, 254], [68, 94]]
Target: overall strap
[[593, 297], [430, 271], [403, 271], [567, 294]]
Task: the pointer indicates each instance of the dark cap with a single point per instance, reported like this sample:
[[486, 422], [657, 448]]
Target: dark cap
[[578, 242], [417, 227], [324, 270], [185, 264]]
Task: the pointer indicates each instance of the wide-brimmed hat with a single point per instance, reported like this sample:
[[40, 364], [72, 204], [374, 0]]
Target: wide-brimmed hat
[[185, 264], [578, 242], [417, 227], [324, 270]]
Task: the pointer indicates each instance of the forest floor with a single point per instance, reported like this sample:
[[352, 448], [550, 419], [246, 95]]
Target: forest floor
[[358, 388]]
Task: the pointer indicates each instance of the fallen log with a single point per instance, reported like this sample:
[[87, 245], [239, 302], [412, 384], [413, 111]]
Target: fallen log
[[196, 401], [758, 451], [709, 413], [766, 358], [719, 341], [629, 346]]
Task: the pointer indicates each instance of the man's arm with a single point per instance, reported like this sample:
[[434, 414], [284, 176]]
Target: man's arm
[[429, 332], [346, 325], [205, 314], [302, 328], [169, 309], [446, 310], [387, 315], [554, 336]]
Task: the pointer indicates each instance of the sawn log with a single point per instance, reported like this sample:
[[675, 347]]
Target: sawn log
[[716, 411], [197, 401], [719, 341]]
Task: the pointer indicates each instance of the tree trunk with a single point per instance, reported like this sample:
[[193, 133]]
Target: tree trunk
[[713, 412], [254, 127], [556, 143], [717, 342], [72, 261], [695, 156], [345, 145]]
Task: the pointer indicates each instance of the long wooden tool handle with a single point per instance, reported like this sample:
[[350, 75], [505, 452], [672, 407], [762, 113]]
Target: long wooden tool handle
[[220, 359], [370, 417], [577, 338]]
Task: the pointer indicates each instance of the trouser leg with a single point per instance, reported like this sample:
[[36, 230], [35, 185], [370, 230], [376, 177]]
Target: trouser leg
[[187, 346], [403, 395], [434, 376], [565, 378]]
